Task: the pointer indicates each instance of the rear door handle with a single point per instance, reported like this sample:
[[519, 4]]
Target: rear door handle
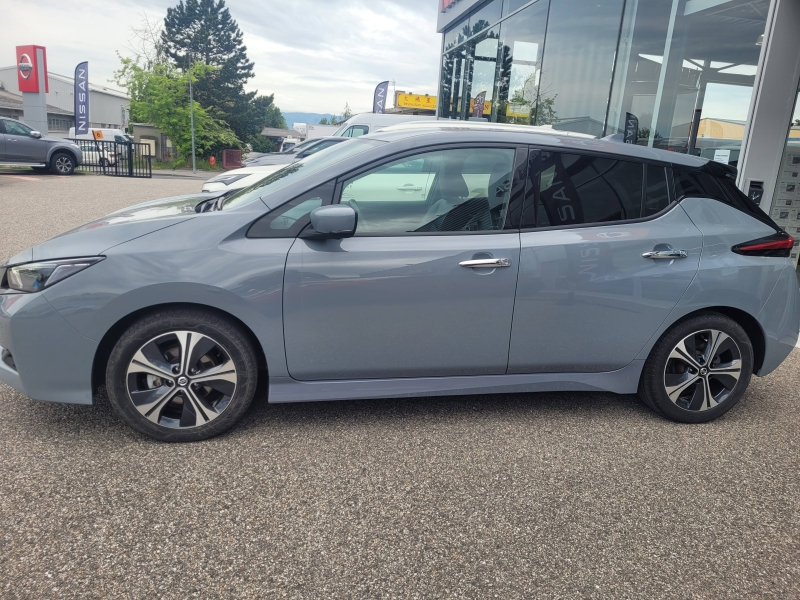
[[491, 263], [669, 254], [409, 188]]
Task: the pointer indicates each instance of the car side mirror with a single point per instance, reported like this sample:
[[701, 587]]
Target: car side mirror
[[36, 134], [332, 222]]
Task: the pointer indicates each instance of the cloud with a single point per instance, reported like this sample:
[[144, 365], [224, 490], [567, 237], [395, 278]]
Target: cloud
[[314, 55]]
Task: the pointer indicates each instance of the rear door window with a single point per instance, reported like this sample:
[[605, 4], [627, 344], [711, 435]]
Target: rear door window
[[578, 189], [657, 190]]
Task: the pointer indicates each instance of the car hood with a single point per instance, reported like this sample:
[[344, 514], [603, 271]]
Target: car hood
[[119, 227], [281, 159]]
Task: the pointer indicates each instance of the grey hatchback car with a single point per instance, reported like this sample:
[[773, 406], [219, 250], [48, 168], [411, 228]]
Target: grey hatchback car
[[425, 259]]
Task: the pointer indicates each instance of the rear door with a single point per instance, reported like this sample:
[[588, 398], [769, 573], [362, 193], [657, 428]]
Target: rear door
[[426, 286], [588, 300]]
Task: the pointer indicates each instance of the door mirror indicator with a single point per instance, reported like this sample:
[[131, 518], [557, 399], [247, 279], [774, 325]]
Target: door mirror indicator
[[331, 222]]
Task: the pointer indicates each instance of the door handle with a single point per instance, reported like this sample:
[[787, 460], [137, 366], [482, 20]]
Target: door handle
[[670, 254], [491, 263], [409, 188]]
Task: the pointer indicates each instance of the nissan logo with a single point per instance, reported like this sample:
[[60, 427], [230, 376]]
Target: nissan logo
[[25, 66]]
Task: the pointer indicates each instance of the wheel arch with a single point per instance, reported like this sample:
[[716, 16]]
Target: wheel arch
[[55, 150], [745, 320], [116, 331]]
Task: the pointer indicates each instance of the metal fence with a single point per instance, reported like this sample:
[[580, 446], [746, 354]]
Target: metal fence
[[118, 159]]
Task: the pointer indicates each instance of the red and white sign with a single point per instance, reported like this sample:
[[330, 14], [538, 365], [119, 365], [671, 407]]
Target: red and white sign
[[29, 67]]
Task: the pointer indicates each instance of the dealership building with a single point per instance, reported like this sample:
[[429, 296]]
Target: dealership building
[[108, 108], [717, 78]]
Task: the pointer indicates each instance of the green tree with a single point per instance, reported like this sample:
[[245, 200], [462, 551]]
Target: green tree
[[204, 31], [324, 121], [160, 96]]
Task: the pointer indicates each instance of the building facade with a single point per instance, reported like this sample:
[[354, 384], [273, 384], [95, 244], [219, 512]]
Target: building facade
[[108, 108], [716, 78]]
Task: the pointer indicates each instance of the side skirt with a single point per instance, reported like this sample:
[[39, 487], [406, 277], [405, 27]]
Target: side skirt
[[622, 381]]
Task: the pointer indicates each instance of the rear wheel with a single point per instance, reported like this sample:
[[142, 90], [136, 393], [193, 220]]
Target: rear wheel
[[62, 163], [699, 370], [182, 375]]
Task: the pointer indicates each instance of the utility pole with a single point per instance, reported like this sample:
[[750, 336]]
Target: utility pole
[[191, 115]]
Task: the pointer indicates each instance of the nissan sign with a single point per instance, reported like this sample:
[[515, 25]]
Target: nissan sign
[[81, 93]]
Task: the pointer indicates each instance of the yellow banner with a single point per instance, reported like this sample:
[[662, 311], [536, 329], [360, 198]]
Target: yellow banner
[[416, 101], [487, 107]]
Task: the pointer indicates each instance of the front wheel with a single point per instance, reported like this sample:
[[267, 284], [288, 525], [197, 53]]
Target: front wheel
[[62, 163], [699, 370], [182, 375]]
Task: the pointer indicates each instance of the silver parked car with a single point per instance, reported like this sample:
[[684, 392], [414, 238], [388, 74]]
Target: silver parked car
[[21, 145], [421, 260]]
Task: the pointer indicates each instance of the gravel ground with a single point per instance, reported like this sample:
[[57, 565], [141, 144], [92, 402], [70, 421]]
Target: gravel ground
[[517, 496]]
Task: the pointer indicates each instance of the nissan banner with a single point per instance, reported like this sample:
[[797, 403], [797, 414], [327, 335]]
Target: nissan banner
[[631, 129], [379, 103], [82, 99]]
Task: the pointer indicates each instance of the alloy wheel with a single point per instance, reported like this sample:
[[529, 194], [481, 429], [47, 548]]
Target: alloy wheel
[[63, 164], [181, 380], [702, 370]]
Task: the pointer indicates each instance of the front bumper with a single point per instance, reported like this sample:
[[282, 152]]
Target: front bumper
[[53, 361]]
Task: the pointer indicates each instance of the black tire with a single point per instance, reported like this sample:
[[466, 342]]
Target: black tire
[[214, 411], [683, 383], [62, 163], [104, 162]]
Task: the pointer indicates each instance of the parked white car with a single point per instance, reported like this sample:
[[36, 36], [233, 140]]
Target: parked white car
[[237, 179], [365, 123]]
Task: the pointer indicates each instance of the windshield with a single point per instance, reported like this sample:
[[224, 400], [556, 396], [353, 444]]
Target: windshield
[[341, 129], [299, 170], [296, 148]]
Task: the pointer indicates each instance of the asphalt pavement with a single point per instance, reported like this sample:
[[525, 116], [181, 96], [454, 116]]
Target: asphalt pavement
[[567, 495]]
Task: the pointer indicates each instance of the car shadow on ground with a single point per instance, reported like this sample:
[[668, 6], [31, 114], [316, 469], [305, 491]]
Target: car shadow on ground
[[46, 420]]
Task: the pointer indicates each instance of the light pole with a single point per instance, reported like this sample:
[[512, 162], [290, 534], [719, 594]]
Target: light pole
[[191, 113]]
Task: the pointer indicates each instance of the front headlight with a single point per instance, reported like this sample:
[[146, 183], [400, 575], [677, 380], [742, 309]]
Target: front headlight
[[36, 276]]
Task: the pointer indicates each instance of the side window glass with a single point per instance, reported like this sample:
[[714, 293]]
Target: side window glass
[[444, 191], [14, 128], [657, 193], [696, 184], [357, 131], [576, 189], [291, 218]]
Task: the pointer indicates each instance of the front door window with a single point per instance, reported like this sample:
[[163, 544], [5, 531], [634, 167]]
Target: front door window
[[463, 190]]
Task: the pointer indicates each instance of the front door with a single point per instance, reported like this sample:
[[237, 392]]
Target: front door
[[21, 146], [587, 299], [426, 286]]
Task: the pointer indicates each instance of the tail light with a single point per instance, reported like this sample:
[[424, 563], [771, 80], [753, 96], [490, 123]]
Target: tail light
[[779, 245]]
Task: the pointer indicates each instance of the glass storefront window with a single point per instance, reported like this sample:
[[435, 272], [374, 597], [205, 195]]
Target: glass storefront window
[[583, 66], [487, 15], [510, 6], [481, 74], [456, 34], [578, 63], [677, 57], [521, 66], [786, 201]]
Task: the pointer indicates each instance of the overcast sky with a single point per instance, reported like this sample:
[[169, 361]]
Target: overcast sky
[[314, 55]]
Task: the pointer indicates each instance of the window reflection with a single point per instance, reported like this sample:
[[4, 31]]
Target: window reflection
[[521, 67], [677, 58], [582, 66]]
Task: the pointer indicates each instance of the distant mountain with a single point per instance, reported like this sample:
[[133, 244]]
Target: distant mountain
[[303, 117]]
